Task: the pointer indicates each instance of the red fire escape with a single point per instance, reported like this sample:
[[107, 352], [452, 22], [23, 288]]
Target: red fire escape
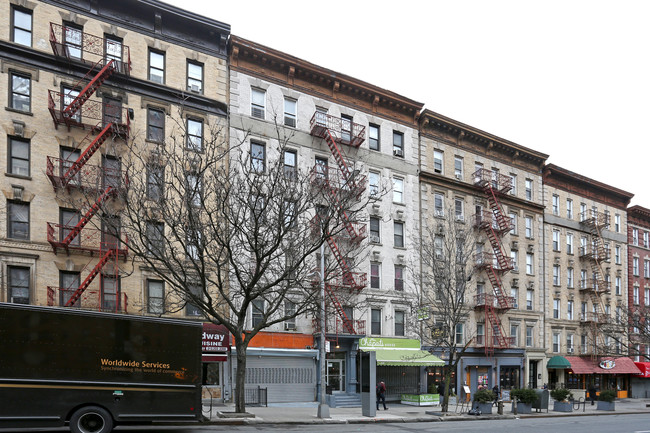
[[338, 182], [495, 224], [103, 120]]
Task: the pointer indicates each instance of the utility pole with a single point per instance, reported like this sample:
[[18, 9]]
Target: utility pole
[[323, 408]]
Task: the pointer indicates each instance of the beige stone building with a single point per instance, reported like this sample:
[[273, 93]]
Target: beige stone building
[[83, 80]]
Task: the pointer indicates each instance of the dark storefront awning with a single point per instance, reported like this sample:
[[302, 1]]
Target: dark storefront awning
[[406, 358], [558, 362], [608, 365]]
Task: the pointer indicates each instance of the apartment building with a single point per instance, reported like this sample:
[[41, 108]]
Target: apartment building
[[493, 187], [638, 282], [86, 80], [585, 236], [336, 127]]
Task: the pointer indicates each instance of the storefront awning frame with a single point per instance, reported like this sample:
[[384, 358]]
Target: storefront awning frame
[[405, 358]]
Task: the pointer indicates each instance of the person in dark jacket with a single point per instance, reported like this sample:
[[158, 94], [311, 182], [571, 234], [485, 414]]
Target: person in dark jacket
[[592, 394], [381, 394]]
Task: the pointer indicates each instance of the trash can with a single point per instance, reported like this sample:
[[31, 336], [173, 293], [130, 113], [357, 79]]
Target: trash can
[[542, 400]]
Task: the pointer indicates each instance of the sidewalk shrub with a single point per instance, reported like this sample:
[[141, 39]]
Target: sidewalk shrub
[[560, 394], [524, 395], [608, 395], [484, 396]]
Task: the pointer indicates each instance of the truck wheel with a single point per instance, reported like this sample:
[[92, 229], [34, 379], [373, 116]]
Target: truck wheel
[[91, 419]]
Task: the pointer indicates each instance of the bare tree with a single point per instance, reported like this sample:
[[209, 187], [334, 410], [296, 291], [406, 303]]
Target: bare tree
[[628, 332], [231, 230], [447, 254]]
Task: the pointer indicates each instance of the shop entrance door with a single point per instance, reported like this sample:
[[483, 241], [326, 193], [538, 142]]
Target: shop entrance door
[[532, 374], [336, 374]]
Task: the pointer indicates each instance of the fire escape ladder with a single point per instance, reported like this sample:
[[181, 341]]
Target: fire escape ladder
[[344, 216], [87, 154], [347, 323], [495, 242], [86, 218], [503, 222], [347, 274], [336, 152], [90, 88], [91, 276]]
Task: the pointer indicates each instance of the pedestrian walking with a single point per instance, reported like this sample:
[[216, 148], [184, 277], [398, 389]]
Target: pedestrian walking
[[592, 394], [381, 394]]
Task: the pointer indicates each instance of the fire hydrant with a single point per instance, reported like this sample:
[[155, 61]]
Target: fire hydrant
[[500, 407]]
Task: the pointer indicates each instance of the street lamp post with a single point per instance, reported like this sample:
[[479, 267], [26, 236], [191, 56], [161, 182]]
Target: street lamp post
[[323, 408]]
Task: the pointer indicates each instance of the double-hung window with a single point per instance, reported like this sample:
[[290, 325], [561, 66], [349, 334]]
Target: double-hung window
[[398, 144], [155, 297], [194, 77], [258, 103], [19, 152], [375, 275], [375, 234], [399, 234], [399, 278], [258, 157], [21, 92], [290, 163], [437, 161], [290, 112], [156, 66], [18, 284], [398, 190], [155, 125], [73, 40], [21, 26], [18, 221], [195, 135], [373, 137], [374, 179]]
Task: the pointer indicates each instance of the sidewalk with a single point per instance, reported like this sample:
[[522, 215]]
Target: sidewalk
[[305, 413]]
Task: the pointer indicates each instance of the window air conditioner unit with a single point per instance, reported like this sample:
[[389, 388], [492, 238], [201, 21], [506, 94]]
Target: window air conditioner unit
[[458, 176], [460, 217], [374, 238], [440, 229], [569, 350], [290, 121], [515, 282], [289, 326], [515, 245], [398, 152], [257, 112], [440, 213], [194, 88], [530, 249]]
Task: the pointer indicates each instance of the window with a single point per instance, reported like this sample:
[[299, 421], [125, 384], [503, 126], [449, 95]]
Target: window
[[290, 310], [569, 243], [195, 77], [257, 312], [646, 298], [618, 285], [480, 333], [646, 239], [398, 144], [113, 49], [458, 167], [194, 189], [195, 135], [569, 278], [72, 39], [514, 294], [459, 333], [556, 204], [373, 137], [529, 189], [459, 209], [437, 161], [155, 182], [111, 171], [18, 220], [375, 321], [346, 128], [646, 268], [569, 208], [398, 190], [569, 343], [398, 228], [529, 299], [21, 89], [513, 182], [617, 223], [19, 153], [193, 244], [636, 296], [155, 297], [258, 103], [290, 164], [635, 236], [529, 264], [619, 312], [569, 310], [635, 266], [529, 336], [556, 342], [21, 26], [18, 284], [68, 219], [320, 166], [556, 275], [290, 112], [515, 260], [69, 95], [375, 276], [155, 125], [68, 283], [258, 157], [110, 292], [583, 212], [556, 240], [513, 222], [529, 226], [583, 279], [399, 323], [191, 308], [556, 308], [399, 278], [437, 247], [155, 238], [156, 67], [374, 180], [375, 235], [617, 254], [514, 334], [439, 204]]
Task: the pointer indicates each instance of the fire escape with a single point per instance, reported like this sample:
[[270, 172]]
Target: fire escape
[[495, 224], [71, 172], [594, 254], [341, 182]]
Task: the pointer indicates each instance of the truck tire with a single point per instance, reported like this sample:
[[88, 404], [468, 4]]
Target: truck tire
[[91, 419]]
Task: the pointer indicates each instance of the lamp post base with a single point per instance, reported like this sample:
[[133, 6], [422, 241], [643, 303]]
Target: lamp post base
[[323, 410]]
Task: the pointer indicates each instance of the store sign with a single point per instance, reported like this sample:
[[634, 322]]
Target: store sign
[[369, 343], [607, 364], [216, 338]]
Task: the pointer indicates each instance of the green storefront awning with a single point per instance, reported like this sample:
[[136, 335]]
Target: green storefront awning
[[406, 357], [558, 362]]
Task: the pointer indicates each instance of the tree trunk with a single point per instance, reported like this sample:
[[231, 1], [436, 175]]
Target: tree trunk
[[445, 401], [240, 379]]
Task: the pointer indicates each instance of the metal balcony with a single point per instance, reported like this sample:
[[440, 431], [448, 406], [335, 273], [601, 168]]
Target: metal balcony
[[487, 178], [343, 131], [90, 177], [484, 299], [90, 300], [89, 240]]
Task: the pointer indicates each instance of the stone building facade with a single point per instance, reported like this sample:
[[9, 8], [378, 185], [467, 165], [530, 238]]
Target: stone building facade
[[638, 282]]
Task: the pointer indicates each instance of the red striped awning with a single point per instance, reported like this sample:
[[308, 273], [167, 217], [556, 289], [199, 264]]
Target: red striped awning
[[605, 365]]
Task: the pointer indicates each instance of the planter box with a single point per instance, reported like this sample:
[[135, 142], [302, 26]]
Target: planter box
[[562, 406], [606, 405], [522, 408], [485, 408], [420, 399]]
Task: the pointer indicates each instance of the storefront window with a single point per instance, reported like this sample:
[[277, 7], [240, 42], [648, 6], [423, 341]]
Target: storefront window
[[509, 378], [211, 373]]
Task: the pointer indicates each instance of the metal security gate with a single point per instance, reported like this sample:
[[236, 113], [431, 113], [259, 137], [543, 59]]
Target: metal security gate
[[286, 378]]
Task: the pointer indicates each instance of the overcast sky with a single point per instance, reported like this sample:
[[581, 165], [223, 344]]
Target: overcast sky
[[567, 78]]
